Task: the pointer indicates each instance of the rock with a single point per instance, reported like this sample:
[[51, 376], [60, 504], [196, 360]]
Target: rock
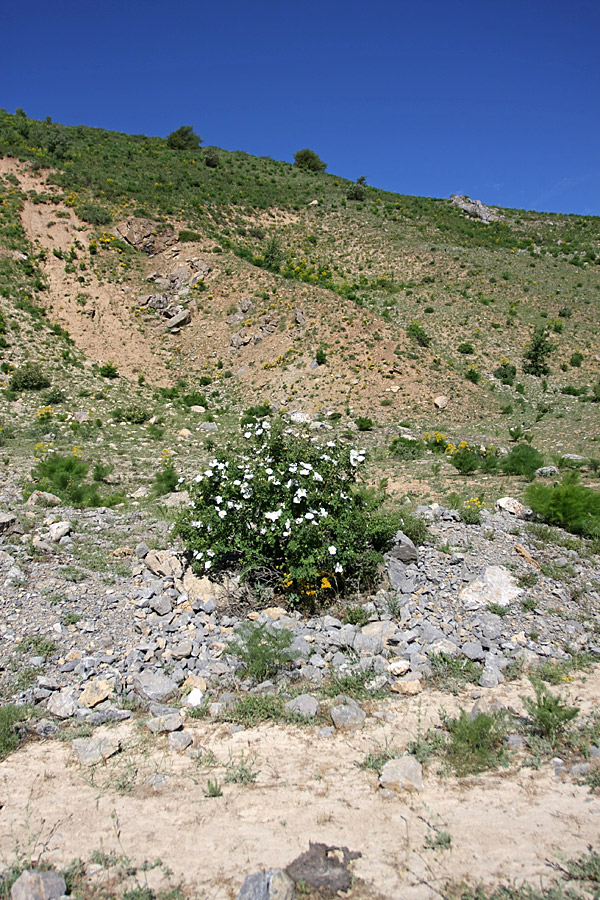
[[146, 235], [142, 550], [442, 647], [441, 402], [179, 741], [179, 320], [490, 677], [408, 687], [164, 562], [547, 472], [403, 550], [473, 650], [211, 427], [90, 751], [59, 530], [7, 522], [61, 705], [475, 208], [95, 692], [154, 686], [45, 728], [496, 585], [43, 498], [185, 433], [348, 717], [37, 885], [200, 589], [398, 666], [274, 884], [164, 724], [161, 605], [324, 868], [403, 774], [512, 506], [195, 698], [303, 705]]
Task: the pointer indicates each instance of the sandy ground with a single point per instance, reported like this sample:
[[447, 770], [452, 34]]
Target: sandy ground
[[147, 802]]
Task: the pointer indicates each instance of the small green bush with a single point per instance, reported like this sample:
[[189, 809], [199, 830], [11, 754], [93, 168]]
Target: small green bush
[[548, 713], [570, 505], [465, 460], [576, 360], [190, 237], [263, 650], [29, 377], [166, 479], [184, 138], [309, 161], [475, 745], [473, 375], [109, 370], [405, 448], [321, 357], [251, 415], [537, 352], [522, 460], [64, 476], [417, 333], [94, 214], [466, 348], [364, 423], [10, 738]]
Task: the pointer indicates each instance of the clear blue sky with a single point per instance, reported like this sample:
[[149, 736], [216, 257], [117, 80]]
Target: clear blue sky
[[498, 99]]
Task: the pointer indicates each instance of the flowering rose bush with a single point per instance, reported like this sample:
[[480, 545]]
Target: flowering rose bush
[[288, 512]]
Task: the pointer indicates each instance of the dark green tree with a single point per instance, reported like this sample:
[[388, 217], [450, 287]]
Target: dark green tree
[[536, 353], [184, 138], [309, 161]]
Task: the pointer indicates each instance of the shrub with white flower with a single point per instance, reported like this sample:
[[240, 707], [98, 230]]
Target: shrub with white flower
[[289, 512]]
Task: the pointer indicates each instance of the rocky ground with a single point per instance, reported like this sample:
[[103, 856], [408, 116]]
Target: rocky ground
[[140, 705]]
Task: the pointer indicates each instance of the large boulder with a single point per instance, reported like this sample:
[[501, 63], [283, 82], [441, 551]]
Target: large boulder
[[475, 208], [496, 585], [146, 235]]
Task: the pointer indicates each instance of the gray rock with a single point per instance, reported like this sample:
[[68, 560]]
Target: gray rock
[[582, 768], [473, 650], [90, 751], [164, 724], [475, 208], [179, 741], [303, 705], [59, 530], [43, 498], [515, 742], [209, 426], [63, 706], [442, 646], [161, 605], [490, 677], [403, 774], [7, 522], [45, 728], [36, 885], [348, 717], [274, 884], [154, 685], [496, 585], [547, 472], [142, 550], [403, 549]]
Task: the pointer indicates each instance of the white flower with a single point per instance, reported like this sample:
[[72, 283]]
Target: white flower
[[210, 552], [299, 520], [273, 516], [218, 499], [309, 515], [330, 444], [338, 568], [317, 477], [332, 550], [287, 524], [247, 435], [222, 513], [323, 513], [198, 479], [269, 471], [207, 564], [263, 530], [300, 493], [237, 482]]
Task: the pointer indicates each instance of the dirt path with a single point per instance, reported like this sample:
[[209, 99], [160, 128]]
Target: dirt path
[[149, 802]]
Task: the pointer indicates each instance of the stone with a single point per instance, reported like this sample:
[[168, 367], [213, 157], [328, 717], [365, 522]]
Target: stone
[[303, 705], [324, 868], [37, 885], [475, 209], [441, 402], [59, 530], [274, 884], [179, 741], [472, 650], [161, 605], [90, 751], [164, 563], [408, 687], [403, 549], [142, 550], [398, 666], [547, 472], [7, 522], [154, 686], [490, 677], [496, 585], [182, 650], [165, 724], [403, 774], [194, 699], [146, 235], [510, 505], [179, 320], [61, 705], [442, 647], [347, 717], [95, 692], [210, 427]]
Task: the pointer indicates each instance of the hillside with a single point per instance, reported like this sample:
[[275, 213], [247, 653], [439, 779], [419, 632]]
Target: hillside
[[284, 465]]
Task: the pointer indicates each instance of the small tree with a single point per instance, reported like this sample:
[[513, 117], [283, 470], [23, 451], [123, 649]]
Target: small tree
[[184, 138], [309, 161], [534, 358]]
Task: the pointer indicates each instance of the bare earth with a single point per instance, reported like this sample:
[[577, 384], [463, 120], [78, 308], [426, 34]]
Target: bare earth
[[147, 802]]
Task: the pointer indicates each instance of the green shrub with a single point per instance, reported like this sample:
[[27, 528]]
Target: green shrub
[[548, 713], [109, 370], [166, 479], [418, 334], [94, 214], [536, 353], [54, 396], [475, 745], [212, 158], [184, 138], [287, 513], [576, 360], [309, 161], [571, 505], [64, 476], [405, 448], [186, 236], [321, 357], [466, 348], [364, 423], [356, 191], [473, 375], [29, 377], [465, 459], [263, 650], [254, 413], [10, 737], [522, 460]]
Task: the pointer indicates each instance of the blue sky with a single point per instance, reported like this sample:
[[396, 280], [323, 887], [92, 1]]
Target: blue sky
[[494, 98]]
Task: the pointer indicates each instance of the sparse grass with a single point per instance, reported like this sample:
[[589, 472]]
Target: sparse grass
[[241, 771], [453, 673], [10, 735], [475, 744]]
